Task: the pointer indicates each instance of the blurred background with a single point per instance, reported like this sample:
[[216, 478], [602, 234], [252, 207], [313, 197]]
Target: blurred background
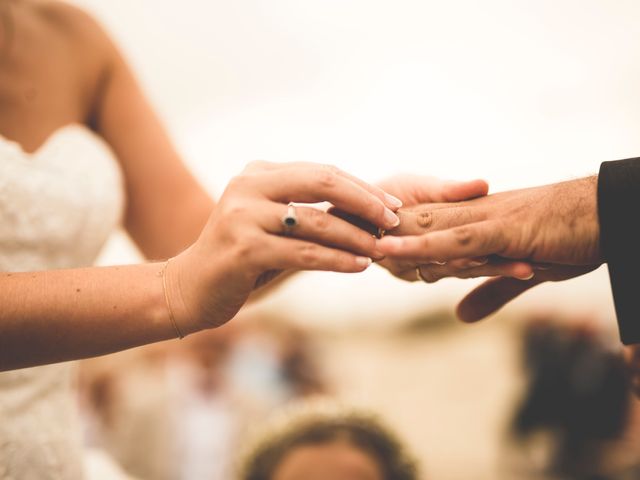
[[519, 93]]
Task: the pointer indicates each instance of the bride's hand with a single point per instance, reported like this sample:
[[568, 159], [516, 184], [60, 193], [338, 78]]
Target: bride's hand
[[418, 194], [245, 240]]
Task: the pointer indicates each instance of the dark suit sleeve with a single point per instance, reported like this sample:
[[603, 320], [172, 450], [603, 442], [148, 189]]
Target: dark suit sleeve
[[618, 206]]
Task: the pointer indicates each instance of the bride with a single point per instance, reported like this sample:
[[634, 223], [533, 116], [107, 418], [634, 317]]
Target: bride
[[81, 151]]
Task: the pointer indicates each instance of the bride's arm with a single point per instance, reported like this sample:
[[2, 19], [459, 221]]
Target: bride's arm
[[52, 316], [221, 251]]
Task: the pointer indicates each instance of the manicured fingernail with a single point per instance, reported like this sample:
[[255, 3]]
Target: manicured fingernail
[[395, 202], [437, 262], [391, 218], [527, 277], [478, 262], [363, 261]]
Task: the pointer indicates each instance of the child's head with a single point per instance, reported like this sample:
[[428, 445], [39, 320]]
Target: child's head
[[321, 440]]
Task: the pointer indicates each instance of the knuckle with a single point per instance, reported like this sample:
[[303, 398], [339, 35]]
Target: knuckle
[[367, 242], [234, 182], [244, 246], [330, 168], [233, 209], [239, 182], [308, 255], [463, 235], [325, 178], [423, 245], [361, 242], [320, 221]]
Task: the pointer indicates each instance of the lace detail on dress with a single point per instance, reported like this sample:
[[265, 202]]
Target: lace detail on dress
[[57, 209], [58, 205]]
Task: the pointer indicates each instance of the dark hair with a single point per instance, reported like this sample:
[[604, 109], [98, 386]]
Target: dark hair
[[578, 391], [314, 427]]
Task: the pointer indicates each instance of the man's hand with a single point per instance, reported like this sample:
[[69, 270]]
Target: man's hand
[[554, 225], [419, 195]]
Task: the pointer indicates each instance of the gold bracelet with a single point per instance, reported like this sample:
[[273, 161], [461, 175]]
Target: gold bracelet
[[166, 300]]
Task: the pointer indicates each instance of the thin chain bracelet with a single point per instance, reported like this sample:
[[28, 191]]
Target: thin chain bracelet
[[166, 300]]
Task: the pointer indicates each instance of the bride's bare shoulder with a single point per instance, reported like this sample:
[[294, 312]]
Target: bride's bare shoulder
[[67, 33], [42, 25], [67, 19], [58, 49]]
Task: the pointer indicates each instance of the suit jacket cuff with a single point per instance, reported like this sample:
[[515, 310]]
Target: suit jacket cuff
[[618, 198]]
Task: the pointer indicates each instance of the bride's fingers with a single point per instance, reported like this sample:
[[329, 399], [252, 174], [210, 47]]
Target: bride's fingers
[[389, 200], [281, 253], [321, 227], [520, 270], [310, 185]]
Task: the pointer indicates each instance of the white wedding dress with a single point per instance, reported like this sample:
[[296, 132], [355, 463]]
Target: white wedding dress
[[57, 209]]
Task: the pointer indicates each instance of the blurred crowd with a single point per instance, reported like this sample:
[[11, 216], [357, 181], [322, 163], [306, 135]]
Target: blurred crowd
[[252, 401], [176, 410]]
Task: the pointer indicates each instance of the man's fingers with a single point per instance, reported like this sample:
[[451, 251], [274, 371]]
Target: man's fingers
[[461, 268], [466, 269], [491, 296], [466, 241], [495, 293], [428, 217], [431, 218]]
